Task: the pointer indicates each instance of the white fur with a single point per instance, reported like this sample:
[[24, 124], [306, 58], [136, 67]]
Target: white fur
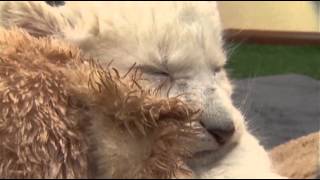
[[181, 39], [247, 161]]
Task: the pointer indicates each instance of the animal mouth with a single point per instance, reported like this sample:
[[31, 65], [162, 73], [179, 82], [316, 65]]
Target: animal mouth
[[210, 143], [221, 141], [216, 147]]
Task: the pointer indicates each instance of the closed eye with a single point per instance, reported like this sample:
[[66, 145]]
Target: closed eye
[[217, 70], [157, 77], [151, 70], [55, 3]]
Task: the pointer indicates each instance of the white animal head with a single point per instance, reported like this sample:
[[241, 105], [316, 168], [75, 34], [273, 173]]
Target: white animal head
[[176, 44]]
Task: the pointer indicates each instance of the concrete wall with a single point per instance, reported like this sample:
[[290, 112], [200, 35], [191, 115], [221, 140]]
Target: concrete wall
[[270, 15]]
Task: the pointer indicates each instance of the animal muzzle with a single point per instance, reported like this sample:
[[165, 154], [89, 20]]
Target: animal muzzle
[[218, 117]]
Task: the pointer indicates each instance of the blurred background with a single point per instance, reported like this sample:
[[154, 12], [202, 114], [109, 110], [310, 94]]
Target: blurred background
[[274, 57], [270, 15]]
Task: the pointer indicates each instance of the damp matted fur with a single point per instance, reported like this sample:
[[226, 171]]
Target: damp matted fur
[[58, 106]]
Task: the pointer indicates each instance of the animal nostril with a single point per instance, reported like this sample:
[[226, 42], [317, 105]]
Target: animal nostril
[[222, 133]]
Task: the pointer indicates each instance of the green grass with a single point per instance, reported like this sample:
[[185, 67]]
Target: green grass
[[252, 60]]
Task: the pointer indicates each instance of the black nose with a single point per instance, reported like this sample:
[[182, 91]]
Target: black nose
[[221, 131]]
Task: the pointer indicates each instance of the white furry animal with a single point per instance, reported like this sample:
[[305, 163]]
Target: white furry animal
[[176, 44]]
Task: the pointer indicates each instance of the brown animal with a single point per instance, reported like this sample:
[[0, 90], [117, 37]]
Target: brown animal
[[61, 114], [299, 158]]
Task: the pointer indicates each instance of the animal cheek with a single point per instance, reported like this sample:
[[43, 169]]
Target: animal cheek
[[187, 93], [224, 83]]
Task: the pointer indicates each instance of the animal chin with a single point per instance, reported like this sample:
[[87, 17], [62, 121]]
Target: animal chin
[[208, 157], [211, 147], [206, 143]]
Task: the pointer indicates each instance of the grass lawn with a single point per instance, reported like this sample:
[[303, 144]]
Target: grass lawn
[[251, 60]]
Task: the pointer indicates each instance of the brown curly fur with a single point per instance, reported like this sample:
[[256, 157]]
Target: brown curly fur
[[58, 106], [39, 138]]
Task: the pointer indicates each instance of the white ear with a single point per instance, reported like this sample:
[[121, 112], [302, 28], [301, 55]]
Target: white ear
[[37, 18]]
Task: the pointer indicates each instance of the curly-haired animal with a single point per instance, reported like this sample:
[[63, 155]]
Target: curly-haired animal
[[60, 111], [178, 45]]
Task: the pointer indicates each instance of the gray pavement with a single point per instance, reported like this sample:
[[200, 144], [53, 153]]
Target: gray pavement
[[279, 108]]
